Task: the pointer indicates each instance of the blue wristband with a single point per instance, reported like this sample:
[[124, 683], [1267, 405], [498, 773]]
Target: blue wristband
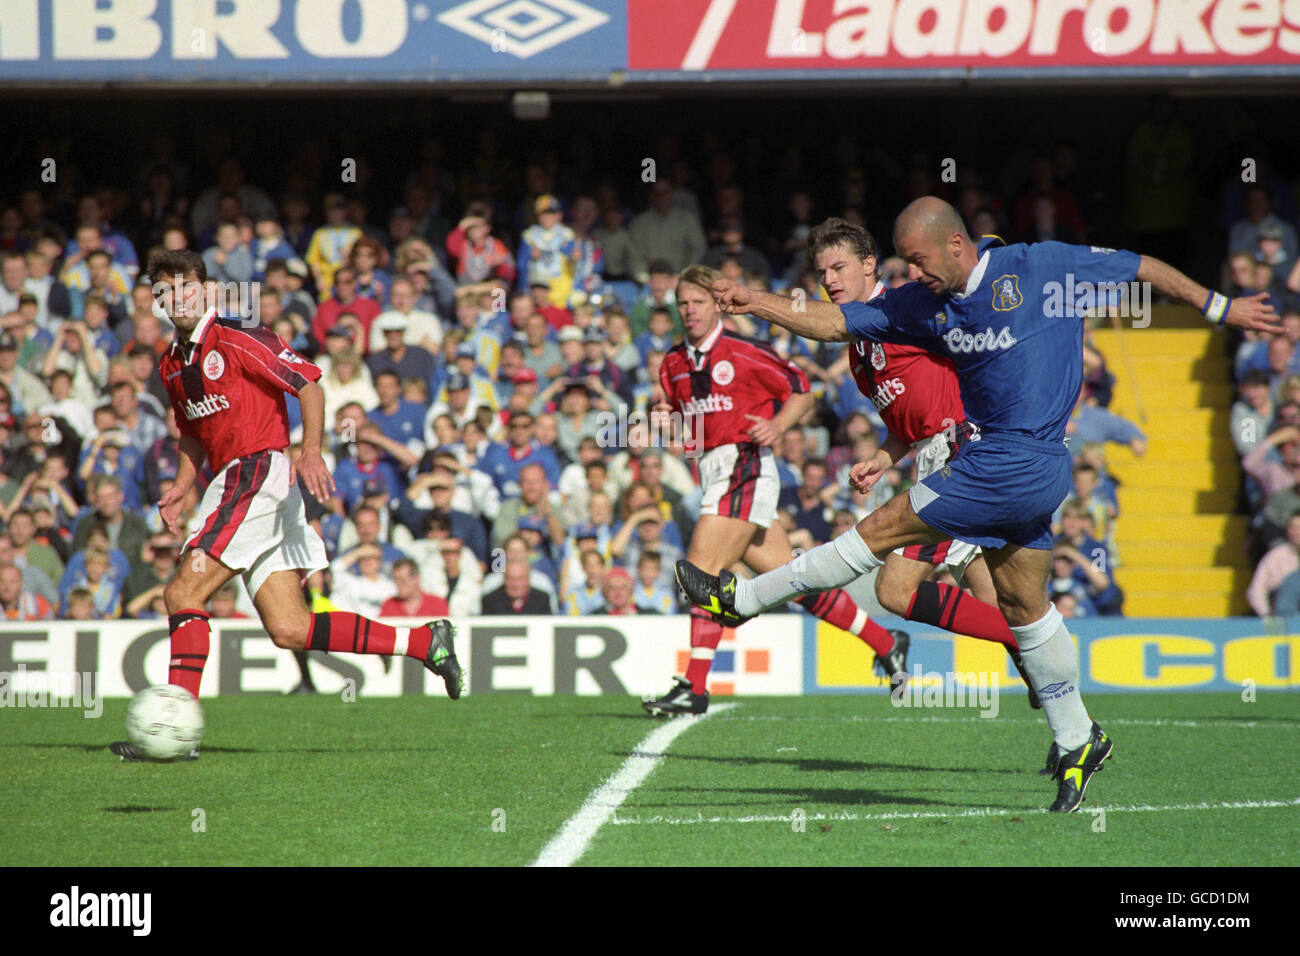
[[1216, 308]]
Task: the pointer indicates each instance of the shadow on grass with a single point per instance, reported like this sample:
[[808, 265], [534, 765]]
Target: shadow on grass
[[812, 765], [787, 797], [138, 809]]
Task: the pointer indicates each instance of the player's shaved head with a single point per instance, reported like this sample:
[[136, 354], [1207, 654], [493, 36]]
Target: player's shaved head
[[930, 235], [932, 218]]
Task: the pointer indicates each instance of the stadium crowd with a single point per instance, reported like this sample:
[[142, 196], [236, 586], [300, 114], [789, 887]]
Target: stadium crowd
[[1263, 256], [482, 359]]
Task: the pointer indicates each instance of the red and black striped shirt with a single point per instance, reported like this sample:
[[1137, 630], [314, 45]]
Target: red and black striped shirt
[[227, 385]]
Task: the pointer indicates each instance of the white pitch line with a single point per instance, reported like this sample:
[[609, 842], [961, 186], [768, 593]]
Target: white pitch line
[[944, 814], [973, 719], [576, 835]]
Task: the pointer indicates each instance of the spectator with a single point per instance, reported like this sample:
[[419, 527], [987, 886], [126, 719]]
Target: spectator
[[584, 597], [1090, 559], [74, 351], [540, 353], [330, 245], [617, 589], [1244, 234], [420, 328], [1252, 412], [81, 605], [439, 488], [534, 498], [224, 604], [364, 258], [16, 602], [229, 260], [667, 233], [397, 355], [661, 293], [27, 390], [544, 249], [505, 463], [804, 501], [94, 576], [650, 594], [1091, 423], [618, 249], [408, 600], [461, 579], [125, 531], [516, 595], [347, 381], [352, 474], [1280, 562], [52, 298], [158, 558], [477, 255], [1275, 472], [363, 590], [732, 246], [344, 300]]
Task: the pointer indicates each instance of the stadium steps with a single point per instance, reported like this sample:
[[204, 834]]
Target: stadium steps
[[1181, 547]]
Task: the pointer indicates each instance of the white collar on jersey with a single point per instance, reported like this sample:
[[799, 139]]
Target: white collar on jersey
[[877, 291], [709, 341], [196, 336], [976, 276]]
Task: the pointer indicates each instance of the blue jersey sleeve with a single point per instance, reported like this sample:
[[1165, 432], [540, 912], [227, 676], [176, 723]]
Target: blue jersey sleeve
[[1089, 263], [901, 315]]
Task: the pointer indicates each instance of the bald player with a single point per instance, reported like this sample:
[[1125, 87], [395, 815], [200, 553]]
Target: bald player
[[994, 311]]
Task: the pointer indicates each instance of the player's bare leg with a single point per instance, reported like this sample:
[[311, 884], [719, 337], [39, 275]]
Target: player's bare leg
[[770, 548], [1052, 664], [292, 625]]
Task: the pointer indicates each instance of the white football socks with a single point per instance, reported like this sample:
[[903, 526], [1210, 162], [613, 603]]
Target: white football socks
[[824, 568], [1052, 663]]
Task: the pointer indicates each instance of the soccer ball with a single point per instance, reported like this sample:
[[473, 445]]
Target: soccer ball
[[164, 722]]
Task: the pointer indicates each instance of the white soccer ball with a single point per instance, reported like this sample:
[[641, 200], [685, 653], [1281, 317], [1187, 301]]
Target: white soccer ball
[[164, 722]]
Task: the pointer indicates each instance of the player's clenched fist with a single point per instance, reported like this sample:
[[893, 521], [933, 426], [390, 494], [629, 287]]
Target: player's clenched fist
[[732, 298], [864, 475]]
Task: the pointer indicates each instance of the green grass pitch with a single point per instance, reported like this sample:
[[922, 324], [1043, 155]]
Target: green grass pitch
[[838, 780]]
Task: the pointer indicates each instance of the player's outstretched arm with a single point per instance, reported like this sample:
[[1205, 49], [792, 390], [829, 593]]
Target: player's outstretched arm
[[1245, 312], [813, 319]]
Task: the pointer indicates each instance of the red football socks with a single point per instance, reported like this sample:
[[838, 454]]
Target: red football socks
[[954, 610], [191, 639], [836, 607], [354, 634], [705, 635]]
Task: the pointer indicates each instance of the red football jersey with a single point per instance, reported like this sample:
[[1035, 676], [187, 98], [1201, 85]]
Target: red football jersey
[[915, 391], [731, 378], [228, 389]]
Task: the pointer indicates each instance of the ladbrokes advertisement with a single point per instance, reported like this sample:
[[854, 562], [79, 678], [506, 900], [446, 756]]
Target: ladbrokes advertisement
[[604, 42]]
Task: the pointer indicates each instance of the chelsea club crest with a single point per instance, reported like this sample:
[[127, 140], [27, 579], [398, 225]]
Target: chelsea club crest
[[1006, 293]]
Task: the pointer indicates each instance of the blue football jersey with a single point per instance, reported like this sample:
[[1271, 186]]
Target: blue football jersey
[[1015, 335]]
